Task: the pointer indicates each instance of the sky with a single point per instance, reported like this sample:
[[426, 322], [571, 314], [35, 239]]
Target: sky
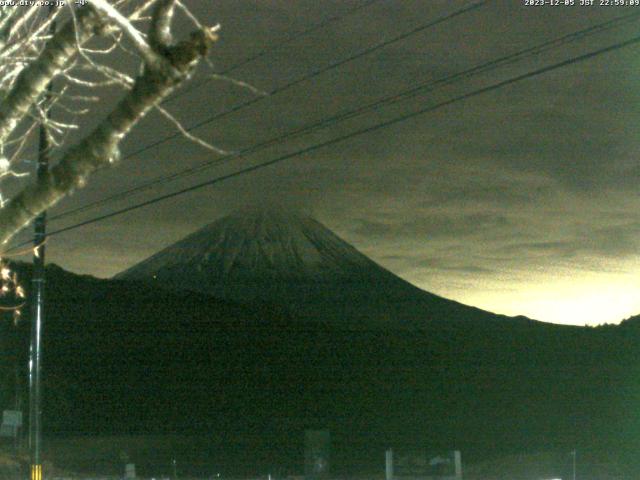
[[522, 200]]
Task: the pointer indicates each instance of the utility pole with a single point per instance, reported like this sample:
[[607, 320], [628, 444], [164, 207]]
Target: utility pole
[[37, 318], [37, 307], [573, 454]]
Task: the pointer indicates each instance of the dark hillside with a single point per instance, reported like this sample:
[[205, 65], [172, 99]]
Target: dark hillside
[[123, 357]]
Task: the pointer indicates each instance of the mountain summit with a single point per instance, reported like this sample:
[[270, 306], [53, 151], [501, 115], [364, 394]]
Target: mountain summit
[[290, 259]]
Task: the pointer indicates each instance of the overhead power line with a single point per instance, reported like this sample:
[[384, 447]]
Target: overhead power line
[[312, 74], [263, 53], [363, 131], [296, 36], [422, 88], [315, 73]]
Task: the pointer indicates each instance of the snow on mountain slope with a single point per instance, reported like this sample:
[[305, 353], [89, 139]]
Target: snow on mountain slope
[[292, 260]]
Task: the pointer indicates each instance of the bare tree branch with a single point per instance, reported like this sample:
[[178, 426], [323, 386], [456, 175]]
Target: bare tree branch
[[34, 79], [14, 23], [138, 40], [160, 36], [100, 147], [185, 133]]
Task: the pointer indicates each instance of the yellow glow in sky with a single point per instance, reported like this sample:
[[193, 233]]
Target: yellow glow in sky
[[575, 304], [580, 299]]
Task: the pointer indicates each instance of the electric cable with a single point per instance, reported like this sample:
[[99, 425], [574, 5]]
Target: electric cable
[[363, 131], [394, 98]]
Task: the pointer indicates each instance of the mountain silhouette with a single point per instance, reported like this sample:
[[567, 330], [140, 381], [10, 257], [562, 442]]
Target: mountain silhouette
[[205, 338], [292, 260]]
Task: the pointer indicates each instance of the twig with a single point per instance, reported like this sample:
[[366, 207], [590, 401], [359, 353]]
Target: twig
[[188, 135]]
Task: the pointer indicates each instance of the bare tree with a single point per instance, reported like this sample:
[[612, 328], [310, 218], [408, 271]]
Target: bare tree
[[76, 57]]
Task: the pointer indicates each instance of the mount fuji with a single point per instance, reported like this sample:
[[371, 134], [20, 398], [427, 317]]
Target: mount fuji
[[292, 261], [297, 330]]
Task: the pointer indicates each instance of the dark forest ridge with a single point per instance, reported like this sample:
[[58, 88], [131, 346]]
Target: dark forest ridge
[[130, 357]]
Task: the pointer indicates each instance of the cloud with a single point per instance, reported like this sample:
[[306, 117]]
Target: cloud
[[433, 226], [499, 192]]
